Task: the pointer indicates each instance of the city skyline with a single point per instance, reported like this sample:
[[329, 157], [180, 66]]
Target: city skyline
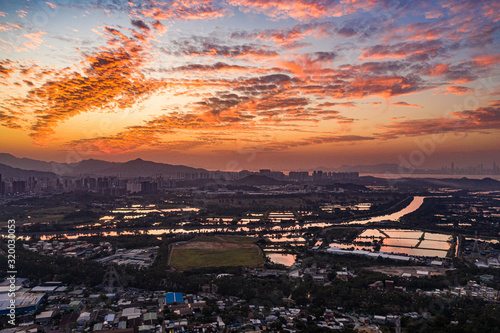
[[149, 167], [247, 84]]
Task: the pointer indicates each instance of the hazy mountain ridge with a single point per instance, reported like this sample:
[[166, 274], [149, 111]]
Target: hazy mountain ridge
[[486, 184], [134, 168], [28, 163], [147, 168], [17, 173]]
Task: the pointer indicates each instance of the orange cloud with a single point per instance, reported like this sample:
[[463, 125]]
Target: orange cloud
[[289, 38], [21, 13], [6, 68], [201, 47], [491, 10], [298, 9], [30, 41], [345, 104], [487, 60], [440, 69], [222, 68], [479, 119], [419, 50], [400, 103], [306, 9], [315, 140], [384, 86], [181, 10], [9, 120], [458, 90], [247, 104], [149, 135], [111, 78], [9, 26], [308, 64], [159, 28]]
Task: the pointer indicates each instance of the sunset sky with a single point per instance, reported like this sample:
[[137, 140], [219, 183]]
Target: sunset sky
[[249, 84]]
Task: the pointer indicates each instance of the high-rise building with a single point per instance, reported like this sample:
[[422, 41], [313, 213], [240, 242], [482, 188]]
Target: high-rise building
[[149, 187], [2, 186], [265, 172], [298, 175], [18, 186], [102, 183], [134, 187], [317, 175]]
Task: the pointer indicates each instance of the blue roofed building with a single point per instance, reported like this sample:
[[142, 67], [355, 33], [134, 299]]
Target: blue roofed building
[[24, 302], [171, 298]]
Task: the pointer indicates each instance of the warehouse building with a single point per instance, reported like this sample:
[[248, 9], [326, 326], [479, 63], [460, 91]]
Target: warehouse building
[[25, 302]]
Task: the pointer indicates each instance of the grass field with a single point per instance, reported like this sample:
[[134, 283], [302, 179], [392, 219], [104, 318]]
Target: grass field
[[216, 252]]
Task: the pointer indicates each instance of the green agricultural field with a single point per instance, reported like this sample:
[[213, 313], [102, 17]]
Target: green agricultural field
[[216, 252]]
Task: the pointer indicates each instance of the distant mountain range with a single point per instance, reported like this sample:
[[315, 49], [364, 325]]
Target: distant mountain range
[[485, 184], [26, 163], [134, 168], [17, 173]]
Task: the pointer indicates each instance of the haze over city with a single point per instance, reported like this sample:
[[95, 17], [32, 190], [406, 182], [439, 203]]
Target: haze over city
[[245, 84]]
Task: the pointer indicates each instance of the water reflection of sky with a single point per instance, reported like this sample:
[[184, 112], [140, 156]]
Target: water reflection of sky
[[414, 251], [400, 241], [282, 258], [413, 206], [394, 240], [398, 233], [432, 244], [439, 237]]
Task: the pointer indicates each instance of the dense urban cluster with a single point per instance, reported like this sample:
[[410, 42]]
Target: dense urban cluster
[[20, 186], [218, 304]]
